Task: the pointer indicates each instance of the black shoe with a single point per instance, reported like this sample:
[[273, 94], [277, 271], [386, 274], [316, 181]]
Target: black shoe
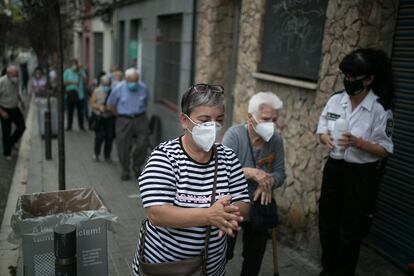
[[68, 129], [82, 129], [125, 177], [324, 273]]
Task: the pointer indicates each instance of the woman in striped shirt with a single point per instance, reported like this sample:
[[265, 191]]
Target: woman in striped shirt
[[177, 182]]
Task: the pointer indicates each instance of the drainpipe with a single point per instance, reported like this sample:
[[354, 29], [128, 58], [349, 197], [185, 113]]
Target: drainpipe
[[193, 41]]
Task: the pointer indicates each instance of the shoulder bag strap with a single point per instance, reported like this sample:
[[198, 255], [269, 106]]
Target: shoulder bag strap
[[107, 96], [251, 149], [213, 200]]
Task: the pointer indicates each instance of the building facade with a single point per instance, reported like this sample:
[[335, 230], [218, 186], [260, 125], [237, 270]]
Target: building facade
[[293, 48], [93, 41], [157, 37]]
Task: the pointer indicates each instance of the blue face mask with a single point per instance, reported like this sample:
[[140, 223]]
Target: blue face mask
[[132, 86], [106, 89]]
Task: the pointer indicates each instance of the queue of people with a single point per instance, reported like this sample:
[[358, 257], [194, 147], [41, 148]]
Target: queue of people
[[196, 192]]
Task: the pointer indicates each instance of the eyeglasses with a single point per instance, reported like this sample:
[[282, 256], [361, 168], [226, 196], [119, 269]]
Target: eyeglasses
[[344, 76], [205, 88]]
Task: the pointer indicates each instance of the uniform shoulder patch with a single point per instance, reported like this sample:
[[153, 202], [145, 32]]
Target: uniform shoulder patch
[[337, 92], [332, 116], [389, 128]]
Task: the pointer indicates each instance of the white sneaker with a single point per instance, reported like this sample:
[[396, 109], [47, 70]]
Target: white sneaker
[[8, 158], [95, 158]]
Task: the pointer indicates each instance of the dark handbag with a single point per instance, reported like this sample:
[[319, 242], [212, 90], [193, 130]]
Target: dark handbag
[[73, 96], [261, 216], [195, 266], [95, 122]]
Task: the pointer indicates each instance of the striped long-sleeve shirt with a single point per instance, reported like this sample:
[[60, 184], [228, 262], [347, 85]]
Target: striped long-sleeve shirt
[[172, 177]]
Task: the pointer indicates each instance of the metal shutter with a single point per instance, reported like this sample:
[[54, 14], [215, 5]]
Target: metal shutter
[[393, 229]]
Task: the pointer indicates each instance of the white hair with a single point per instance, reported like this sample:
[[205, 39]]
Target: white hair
[[12, 67], [130, 72], [264, 98]]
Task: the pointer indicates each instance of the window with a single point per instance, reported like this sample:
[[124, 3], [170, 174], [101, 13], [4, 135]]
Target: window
[[121, 44], [135, 46], [292, 38], [168, 58]]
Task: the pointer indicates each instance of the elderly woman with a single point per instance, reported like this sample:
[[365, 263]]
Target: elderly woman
[[260, 151], [177, 185], [104, 119]]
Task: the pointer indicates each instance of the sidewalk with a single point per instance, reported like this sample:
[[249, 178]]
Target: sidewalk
[[122, 200]]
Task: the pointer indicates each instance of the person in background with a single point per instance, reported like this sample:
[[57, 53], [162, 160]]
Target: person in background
[[25, 77], [261, 154], [73, 80], [53, 81], [129, 101], [117, 77], [4, 64], [10, 113], [350, 184], [38, 83], [85, 86], [176, 187], [104, 119]]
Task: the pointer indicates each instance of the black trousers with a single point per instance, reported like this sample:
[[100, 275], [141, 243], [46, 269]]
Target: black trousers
[[79, 105], [104, 134], [9, 138], [346, 209], [254, 247]]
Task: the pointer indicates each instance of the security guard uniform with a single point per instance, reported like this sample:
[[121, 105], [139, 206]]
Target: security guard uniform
[[349, 185]]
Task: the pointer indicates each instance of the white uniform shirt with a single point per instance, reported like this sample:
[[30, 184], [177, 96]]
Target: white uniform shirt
[[368, 121]]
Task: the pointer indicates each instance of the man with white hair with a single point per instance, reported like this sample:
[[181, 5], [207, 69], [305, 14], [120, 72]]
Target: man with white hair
[[129, 101], [260, 152], [9, 110]]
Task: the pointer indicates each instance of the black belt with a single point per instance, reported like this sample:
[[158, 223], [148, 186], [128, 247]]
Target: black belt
[[132, 116]]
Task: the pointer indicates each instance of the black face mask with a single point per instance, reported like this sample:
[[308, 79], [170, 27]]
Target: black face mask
[[355, 87]]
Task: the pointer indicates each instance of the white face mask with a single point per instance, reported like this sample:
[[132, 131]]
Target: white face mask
[[204, 135], [14, 79], [265, 130]]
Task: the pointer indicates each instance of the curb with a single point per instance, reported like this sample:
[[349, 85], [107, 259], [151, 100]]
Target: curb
[[9, 252]]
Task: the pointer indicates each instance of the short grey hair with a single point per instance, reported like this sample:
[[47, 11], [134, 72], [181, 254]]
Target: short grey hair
[[192, 99], [264, 98], [131, 72]]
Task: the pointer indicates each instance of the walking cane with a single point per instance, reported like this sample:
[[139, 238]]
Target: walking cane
[[274, 247]]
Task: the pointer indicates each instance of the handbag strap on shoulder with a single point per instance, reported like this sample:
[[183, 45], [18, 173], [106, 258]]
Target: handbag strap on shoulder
[[213, 200], [251, 148]]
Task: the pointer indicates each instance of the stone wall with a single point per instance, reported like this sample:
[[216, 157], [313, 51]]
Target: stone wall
[[348, 24], [214, 41]]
